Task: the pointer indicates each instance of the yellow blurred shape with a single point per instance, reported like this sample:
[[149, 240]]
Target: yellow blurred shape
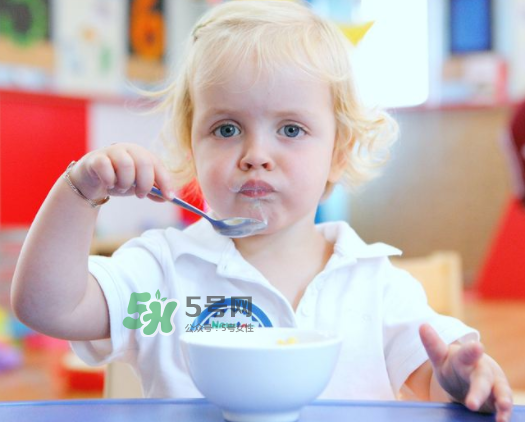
[[4, 322], [287, 342], [355, 33], [89, 34]]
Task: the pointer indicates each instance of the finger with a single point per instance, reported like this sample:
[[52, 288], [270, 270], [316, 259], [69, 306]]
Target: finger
[[163, 179], [124, 166], [100, 170], [469, 353], [144, 172], [156, 198], [481, 382], [436, 348], [503, 399]]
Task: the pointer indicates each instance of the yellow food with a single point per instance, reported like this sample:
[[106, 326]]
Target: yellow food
[[287, 342]]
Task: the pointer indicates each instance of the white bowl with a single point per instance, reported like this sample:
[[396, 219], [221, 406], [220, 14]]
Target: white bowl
[[253, 378]]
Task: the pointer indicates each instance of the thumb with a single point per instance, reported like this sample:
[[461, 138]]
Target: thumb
[[436, 348]]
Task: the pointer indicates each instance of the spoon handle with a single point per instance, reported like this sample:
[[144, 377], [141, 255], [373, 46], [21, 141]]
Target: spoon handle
[[180, 202]]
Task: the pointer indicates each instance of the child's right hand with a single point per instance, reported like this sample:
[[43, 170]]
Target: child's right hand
[[468, 375], [121, 170]]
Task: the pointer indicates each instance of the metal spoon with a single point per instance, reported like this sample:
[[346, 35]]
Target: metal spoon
[[231, 227]]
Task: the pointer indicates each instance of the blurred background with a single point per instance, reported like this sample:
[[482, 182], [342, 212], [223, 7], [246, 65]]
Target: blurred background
[[452, 72]]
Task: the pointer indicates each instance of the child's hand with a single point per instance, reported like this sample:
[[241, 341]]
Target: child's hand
[[468, 375], [121, 170]]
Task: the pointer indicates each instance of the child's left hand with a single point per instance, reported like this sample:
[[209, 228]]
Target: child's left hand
[[468, 375]]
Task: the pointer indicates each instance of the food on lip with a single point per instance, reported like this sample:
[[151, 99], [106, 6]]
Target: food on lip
[[256, 185], [288, 341], [256, 189]]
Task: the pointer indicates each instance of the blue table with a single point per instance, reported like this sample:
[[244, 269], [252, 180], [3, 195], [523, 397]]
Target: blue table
[[200, 410]]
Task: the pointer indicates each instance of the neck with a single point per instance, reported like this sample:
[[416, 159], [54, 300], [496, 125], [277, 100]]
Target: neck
[[286, 251]]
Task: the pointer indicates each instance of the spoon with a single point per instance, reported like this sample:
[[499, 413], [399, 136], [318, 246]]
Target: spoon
[[231, 227]]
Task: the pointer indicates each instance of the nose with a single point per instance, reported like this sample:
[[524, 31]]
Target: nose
[[256, 155]]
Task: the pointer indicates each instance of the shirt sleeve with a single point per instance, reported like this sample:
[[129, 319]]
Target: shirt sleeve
[[133, 268], [405, 310]]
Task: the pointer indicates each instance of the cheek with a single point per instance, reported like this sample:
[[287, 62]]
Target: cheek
[[204, 163], [212, 174], [312, 171]]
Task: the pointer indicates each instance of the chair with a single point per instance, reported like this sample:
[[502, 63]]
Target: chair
[[121, 382], [440, 274], [441, 277]]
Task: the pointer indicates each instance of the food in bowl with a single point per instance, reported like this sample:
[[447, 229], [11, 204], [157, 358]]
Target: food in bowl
[[290, 340], [251, 377]]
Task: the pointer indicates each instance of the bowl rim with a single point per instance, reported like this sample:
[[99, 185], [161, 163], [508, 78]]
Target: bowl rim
[[190, 338]]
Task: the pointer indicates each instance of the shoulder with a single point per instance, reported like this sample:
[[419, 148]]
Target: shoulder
[[198, 240], [369, 262], [348, 244]]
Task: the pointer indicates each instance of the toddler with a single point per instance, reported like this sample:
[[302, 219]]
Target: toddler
[[266, 120]]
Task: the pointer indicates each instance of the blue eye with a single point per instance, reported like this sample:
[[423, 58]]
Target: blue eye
[[291, 131], [226, 131]]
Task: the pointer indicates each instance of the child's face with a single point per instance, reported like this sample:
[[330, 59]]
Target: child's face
[[263, 148]]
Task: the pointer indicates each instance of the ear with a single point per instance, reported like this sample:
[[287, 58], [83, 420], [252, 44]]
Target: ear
[[338, 166]]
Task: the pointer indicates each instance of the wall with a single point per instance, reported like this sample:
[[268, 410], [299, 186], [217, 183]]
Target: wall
[[445, 187], [41, 134], [516, 49]]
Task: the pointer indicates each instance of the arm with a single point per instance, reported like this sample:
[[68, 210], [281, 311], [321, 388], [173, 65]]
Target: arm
[[461, 373], [52, 290]]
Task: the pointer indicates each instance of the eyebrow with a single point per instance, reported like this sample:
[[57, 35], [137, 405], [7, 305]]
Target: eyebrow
[[213, 111], [278, 113]]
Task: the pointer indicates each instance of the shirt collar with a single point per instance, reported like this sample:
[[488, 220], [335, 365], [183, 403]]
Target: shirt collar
[[204, 242], [348, 244]]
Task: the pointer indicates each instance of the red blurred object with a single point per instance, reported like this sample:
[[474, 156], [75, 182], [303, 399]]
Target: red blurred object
[[503, 271], [78, 376], [37, 341], [516, 146], [39, 136], [83, 381], [192, 194]]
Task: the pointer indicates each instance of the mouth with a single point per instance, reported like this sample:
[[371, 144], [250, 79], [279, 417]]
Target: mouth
[[256, 189]]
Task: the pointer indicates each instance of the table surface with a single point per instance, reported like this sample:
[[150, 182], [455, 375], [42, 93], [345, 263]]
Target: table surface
[[198, 410]]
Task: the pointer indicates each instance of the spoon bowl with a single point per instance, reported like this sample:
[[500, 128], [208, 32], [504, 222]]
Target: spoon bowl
[[234, 227]]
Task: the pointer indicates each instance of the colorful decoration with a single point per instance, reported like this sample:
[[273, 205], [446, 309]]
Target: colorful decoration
[[90, 45], [24, 33], [10, 357], [4, 325], [146, 40]]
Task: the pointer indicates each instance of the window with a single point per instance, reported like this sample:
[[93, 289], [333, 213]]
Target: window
[[391, 64], [470, 26]]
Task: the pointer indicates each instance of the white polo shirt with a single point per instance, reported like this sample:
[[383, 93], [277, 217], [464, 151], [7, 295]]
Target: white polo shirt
[[376, 307]]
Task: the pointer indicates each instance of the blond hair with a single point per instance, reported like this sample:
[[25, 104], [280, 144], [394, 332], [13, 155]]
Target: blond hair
[[277, 33]]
